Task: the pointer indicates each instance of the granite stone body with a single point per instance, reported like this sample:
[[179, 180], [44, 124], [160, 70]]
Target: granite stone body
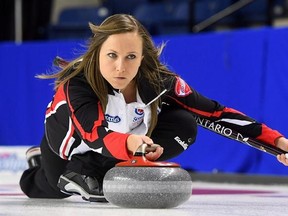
[[147, 187]]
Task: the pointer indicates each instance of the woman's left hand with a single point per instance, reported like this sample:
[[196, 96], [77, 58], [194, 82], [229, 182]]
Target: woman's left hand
[[282, 143]]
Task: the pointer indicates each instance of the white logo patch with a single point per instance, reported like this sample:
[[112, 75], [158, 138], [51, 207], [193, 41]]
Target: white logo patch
[[182, 143]]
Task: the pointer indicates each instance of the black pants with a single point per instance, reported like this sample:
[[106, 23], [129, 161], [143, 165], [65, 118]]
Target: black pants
[[175, 132]]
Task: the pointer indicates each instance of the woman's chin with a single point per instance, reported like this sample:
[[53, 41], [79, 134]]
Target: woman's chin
[[118, 87]]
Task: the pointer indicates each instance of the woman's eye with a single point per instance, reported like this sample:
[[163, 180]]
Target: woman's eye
[[112, 55], [131, 56]]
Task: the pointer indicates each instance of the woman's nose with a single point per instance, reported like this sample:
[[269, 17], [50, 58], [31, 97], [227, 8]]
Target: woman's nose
[[120, 66]]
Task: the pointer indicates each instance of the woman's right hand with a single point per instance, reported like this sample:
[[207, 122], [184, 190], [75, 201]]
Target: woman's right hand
[[282, 143], [134, 141]]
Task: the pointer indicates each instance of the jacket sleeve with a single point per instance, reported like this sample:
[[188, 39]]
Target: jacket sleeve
[[89, 121], [181, 94]]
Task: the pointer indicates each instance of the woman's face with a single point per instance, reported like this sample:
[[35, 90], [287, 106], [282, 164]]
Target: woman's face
[[120, 57]]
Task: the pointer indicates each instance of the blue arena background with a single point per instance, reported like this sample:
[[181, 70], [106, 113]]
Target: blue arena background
[[243, 69]]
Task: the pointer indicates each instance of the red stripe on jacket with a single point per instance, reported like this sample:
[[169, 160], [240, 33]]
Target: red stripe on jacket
[[116, 144], [93, 135]]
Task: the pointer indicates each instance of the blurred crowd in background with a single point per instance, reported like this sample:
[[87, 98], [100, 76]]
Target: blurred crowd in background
[[62, 19]]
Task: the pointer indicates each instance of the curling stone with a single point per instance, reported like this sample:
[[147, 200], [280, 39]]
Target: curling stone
[[140, 183]]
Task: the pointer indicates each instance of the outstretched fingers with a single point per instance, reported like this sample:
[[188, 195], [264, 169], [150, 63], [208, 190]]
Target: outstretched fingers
[[283, 159]]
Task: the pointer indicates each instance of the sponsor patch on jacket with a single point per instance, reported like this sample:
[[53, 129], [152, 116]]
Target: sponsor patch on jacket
[[113, 119], [139, 111], [181, 88]]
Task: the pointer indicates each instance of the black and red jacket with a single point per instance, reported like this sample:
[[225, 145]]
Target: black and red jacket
[[75, 122]]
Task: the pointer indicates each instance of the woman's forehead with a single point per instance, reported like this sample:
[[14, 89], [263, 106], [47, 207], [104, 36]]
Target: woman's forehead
[[124, 41]]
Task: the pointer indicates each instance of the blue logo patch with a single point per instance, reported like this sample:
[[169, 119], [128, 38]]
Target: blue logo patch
[[137, 119], [139, 111], [114, 119]]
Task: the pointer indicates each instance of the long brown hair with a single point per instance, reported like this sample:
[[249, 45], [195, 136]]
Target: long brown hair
[[150, 67]]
